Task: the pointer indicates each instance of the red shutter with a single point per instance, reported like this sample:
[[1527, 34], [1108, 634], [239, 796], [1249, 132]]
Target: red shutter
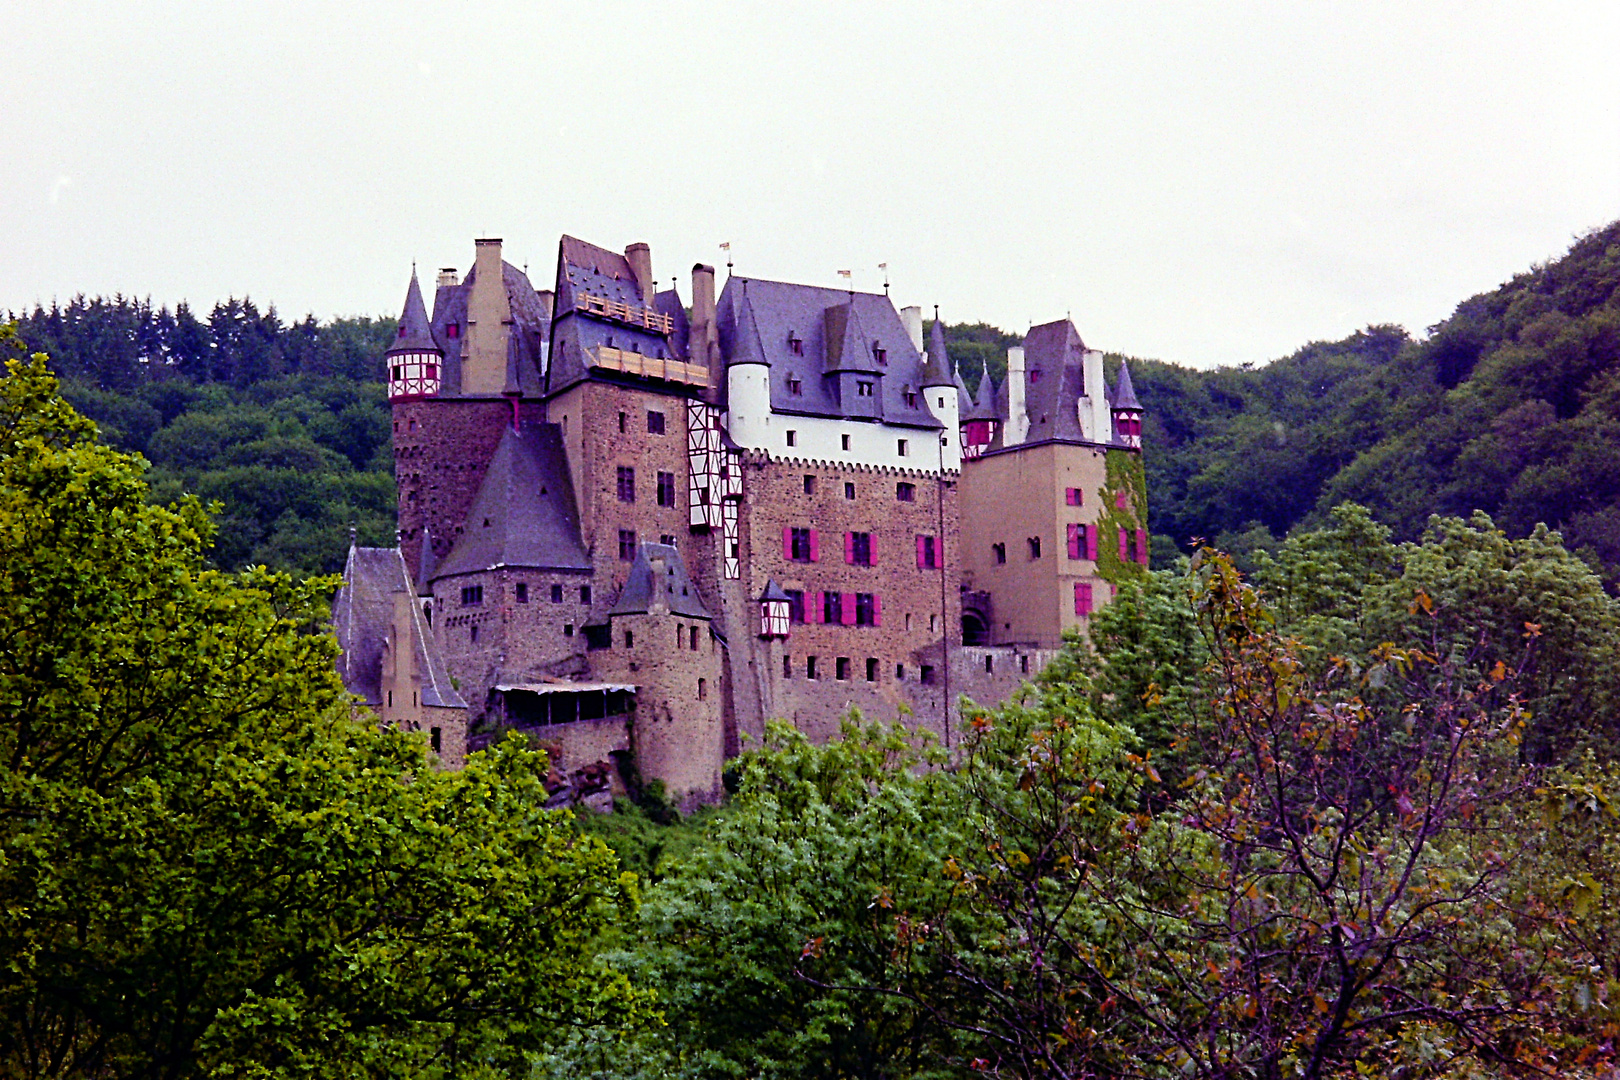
[[1124, 544], [847, 615], [922, 554], [877, 610], [871, 550], [812, 600], [1074, 541], [1082, 598], [1119, 500], [787, 543], [849, 549], [815, 546], [1091, 541], [1142, 546]]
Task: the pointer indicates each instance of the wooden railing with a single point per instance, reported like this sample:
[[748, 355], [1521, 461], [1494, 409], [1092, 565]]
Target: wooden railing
[[652, 367], [629, 314]]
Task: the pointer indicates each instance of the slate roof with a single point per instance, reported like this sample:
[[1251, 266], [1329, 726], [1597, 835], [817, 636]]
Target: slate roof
[[362, 614], [1054, 380], [937, 369], [774, 592], [413, 334], [680, 595], [584, 268], [525, 346], [523, 514], [981, 406], [837, 329], [1125, 394]]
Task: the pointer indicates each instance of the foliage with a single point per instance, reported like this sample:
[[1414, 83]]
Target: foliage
[[207, 867]]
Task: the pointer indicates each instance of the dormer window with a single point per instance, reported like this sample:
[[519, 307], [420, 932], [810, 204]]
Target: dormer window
[[795, 344], [452, 331], [796, 387], [863, 389], [1034, 375], [879, 353], [911, 399]]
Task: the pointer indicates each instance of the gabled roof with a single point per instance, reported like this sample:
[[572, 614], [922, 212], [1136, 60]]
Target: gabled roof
[[1125, 395], [583, 269], [525, 345], [523, 514], [980, 406], [847, 344], [785, 312], [937, 370], [1054, 366], [671, 585], [413, 334], [362, 615], [774, 592]]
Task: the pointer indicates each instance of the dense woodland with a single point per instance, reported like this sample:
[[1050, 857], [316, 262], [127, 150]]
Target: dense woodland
[[1346, 807]]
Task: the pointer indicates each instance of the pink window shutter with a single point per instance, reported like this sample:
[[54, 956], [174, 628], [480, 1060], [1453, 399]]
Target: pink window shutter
[[787, 543], [877, 610], [815, 546], [1091, 542], [1124, 544], [1082, 598], [847, 615], [1141, 546], [922, 555], [1119, 500], [1074, 541], [871, 550], [849, 549]]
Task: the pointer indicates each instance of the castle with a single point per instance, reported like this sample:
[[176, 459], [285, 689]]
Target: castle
[[638, 530]]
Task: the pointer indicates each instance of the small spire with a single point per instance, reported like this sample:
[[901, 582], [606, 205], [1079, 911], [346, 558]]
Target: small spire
[[1124, 393], [413, 335], [937, 368]]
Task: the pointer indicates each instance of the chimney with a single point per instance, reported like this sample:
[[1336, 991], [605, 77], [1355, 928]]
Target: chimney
[[489, 317], [1017, 415], [639, 257], [1097, 397], [448, 277], [703, 336], [912, 317]]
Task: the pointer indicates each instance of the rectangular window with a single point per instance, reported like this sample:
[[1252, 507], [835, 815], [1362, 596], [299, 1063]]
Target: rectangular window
[[666, 489], [795, 344], [627, 545], [584, 594], [849, 491], [556, 594], [832, 608], [865, 609], [1082, 598], [655, 423], [568, 629], [796, 387], [795, 604], [1073, 497], [792, 438], [1034, 547], [801, 545], [809, 485], [627, 484], [521, 590], [989, 664], [810, 667], [927, 553], [843, 442], [905, 492], [667, 539], [899, 673], [622, 416], [903, 447], [435, 739], [879, 353], [925, 674], [842, 670], [859, 549], [452, 331], [1000, 552], [787, 666], [871, 669], [1077, 541], [911, 399], [472, 595], [863, 389]]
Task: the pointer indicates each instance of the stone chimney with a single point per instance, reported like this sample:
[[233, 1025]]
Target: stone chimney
[[489, 322], [639, 256], [703, 336], [448, 277], [1017, 414], [1100, 422], [912, 317]]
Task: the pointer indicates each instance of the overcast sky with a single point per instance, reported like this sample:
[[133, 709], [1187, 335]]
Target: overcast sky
[[1203, 183]]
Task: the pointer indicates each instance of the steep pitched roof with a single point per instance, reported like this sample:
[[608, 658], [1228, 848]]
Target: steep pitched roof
[[525, 345], [847, 347], [1054, 364], [784, 312], [748, 347], [981, 406], [583, 269], [413, 334], [1125, 395], [363, 613], [936, 371], [523, 514], [672, 586]]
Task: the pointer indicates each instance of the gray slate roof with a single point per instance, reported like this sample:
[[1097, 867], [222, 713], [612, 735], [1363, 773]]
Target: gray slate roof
[[1054, 380], [937, 369], [413, 334], [1125, 394], [980, 406], [642, 587], [531, 329], [362, 613], [838, 330], [524, 513], [584, 268]]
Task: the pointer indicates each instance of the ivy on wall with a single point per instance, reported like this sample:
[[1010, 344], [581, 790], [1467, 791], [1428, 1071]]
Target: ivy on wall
[[1124, 474]]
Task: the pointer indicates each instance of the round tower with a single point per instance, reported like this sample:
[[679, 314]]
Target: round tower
[[1127, 411], [939, 388]]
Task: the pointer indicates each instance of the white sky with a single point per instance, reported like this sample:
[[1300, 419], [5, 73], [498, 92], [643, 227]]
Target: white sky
[[1204, 183]]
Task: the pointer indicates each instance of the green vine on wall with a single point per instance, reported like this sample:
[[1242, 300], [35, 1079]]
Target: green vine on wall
[[1125, 473]]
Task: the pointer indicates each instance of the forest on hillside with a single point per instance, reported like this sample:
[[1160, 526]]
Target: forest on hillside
[[1511, 406]]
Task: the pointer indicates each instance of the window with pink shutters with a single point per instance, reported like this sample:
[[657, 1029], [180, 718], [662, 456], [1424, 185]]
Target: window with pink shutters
[[1120, 500], [847, 616], [815, 546], [877, 610], [1124, 545], [1076, 541], [1082, 598], [849, 549], [1091, 541], [787, 543], [1142, 546], [1072, 496], [818, 614]]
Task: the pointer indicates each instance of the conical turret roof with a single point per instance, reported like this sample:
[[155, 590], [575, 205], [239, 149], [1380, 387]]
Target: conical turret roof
[[982, 406], [1125, 394], [413, 334], [747, 347], [937, 368]]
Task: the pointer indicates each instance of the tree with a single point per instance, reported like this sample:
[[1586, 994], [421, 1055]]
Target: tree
[[208, 867]]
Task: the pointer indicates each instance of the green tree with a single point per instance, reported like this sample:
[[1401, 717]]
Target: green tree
[[207, 866]]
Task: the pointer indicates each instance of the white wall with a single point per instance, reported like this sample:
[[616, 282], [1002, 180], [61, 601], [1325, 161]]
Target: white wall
[[821, 439]]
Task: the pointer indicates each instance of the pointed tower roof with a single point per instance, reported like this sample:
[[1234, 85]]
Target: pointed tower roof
[[982, 406], [773, 593], [672, 587], [413, 334], [848, 347], [747, 346], [523, 514], [937, 368], [1125, 394], [426, 564]]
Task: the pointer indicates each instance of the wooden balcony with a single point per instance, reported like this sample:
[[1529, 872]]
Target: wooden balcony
[[629, 314], [650, 367]]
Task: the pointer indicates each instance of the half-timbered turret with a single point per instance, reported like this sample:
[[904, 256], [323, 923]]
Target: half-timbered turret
[[414, 359]]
